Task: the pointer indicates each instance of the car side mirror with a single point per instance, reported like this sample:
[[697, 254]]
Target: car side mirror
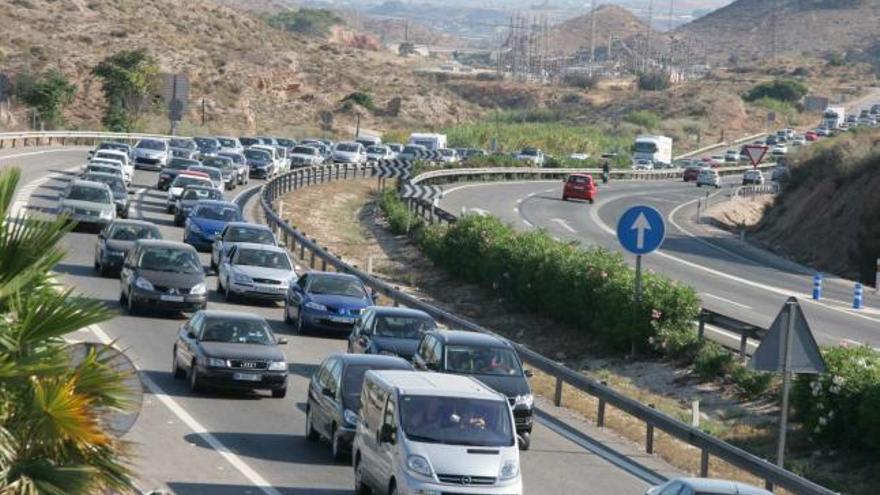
[[102, 236], [373, 294], [528, 373], [388, 434], [282, 341], [363, 341], [327, 392], [190, 334]]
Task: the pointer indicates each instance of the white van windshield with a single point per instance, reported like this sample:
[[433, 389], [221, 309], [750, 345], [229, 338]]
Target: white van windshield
[[456, 421]]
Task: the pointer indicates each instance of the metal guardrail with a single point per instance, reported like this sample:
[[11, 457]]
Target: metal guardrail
[[756, 190], [709, 446], [722, 144], [47, 138]]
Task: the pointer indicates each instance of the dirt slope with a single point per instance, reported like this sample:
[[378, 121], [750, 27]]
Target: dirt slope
[[574, 34], [829, 215], [252, 77]]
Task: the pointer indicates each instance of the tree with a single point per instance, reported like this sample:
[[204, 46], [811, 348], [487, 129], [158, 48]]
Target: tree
[[52, 412], [787, 91], [48, 94], [129, 77]]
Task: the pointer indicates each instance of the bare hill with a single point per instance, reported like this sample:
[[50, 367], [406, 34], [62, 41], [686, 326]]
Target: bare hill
[[803, 28], [252, 77], [574, 34]]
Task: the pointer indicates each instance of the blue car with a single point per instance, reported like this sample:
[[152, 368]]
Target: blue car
[[206, 220], [325, 301]]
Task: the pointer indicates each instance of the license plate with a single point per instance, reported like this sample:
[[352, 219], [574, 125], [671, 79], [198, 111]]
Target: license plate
[[271, 290], [247, 377], [171, 298], [342, 319]]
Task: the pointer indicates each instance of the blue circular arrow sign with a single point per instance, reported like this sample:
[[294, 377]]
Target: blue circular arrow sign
[[641, 230]]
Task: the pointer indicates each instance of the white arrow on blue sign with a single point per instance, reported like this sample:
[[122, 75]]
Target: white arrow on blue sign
[[641, 230]]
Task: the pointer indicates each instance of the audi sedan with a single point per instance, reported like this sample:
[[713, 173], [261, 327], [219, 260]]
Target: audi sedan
[[325, 301], [229, 350]]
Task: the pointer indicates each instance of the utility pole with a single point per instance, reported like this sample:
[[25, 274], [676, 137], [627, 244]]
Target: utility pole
[[773, 30], [592, 38], [647, 56], [406, 30], [671, 34]]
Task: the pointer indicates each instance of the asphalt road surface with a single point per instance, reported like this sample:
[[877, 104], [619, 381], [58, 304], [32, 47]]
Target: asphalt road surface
[[250, 443]]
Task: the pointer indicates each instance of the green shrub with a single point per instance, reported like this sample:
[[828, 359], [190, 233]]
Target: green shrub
[[782, 90], [400, 219], [554, 137], [752, 384], [839, 408], [363, 99], [311, 22], [643, 118], [48, 94], [714, 361], [579, 80], [589, 289], [654, 81]]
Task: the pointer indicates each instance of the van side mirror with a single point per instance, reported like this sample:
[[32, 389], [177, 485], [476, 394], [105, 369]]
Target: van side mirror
[[528, 373], [388, 434]]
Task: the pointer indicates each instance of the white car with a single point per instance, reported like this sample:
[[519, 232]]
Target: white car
[[277, 162], [106, 167], [705, 486], [531, 155], [87, 202], [643, 164], [753, 177], [349, 152], [798, 141], [305, 156], [448, 155], [579, 156], [731, 156], [379, 152], [258, 271], [823, 131], [117, 155], [152, 154], [230, 145], [183, 180], [779, 150], [709, 177]]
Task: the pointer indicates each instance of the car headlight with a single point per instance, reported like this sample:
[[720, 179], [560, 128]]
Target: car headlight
[[316, 306], [215, 362], [198, 289], [509, 469], [350, 417], [194, 227], [241, 278], [106, 214], [142, 283], [278, 366], [525, 400], [164, 176], [420, 465]]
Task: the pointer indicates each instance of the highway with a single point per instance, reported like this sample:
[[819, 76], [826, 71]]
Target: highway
[[250, 444], [731, 277]]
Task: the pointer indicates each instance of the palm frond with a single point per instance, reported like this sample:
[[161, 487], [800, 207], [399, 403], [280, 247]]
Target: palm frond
[[31, 248], [65, 415], [46, 316], [9, 179]]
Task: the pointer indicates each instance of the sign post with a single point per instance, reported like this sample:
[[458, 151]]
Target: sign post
[[788, 348], [640, 230], [756, 153]]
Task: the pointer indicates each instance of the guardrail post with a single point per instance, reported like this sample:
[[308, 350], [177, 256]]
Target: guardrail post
[[302, 251], [743, 345], [324, 264], [704, 463], [701, 328], [649, 435], [557, 397], [312, 260], [600, 414]]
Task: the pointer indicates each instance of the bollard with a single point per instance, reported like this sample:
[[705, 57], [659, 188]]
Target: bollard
[[817, 286], [857, 296]]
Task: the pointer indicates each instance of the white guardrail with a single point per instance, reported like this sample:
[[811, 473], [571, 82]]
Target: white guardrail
[[47, 138]]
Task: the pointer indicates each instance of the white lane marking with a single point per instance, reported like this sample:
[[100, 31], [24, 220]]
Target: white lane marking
[[519, 201], [731, 335], [230, 457], [484, 184], [671, 218], [479, 211], [728, 301], [856, 343], [23, 195], [32, 153], [564, 225], [528, 223]]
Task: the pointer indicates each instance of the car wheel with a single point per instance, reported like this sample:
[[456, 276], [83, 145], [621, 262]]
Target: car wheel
[[392, 490], [360, 488], [227, 294], [132, 307], [699, 185], [287, 319], [591, 201], [336, 445], [176, 371], [564, 197], [195, 385], [525, 441], [279, 393], [169, 209], [311, 433]]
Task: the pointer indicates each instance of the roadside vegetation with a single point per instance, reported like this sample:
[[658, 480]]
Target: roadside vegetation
[[128, 79], [53, 434], [310, 22], [47, 94]]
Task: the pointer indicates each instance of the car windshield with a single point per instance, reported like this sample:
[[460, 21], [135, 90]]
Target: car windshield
[[151, 145], [235, 157], [218, 162], [263, 258], [257, 155], [237, 331], [173, 260], [188, 180], [377, 150], [482, 360], [134, 232], [402, 327], [353, 381], [577, 179], [456, 421], [206, 144], [114, 146], [304, 150], [184, 144], [247, 141], [337, 286], [346, 147], [528, 152], [227, 143], [181, 164], [103, 169], [249, 234], [90, 194], [197, 193], [109, 155], [217, 212], [446, 152], [413, 149], [114, 181]]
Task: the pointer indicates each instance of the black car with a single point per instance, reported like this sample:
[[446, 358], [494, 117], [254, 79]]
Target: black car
[[333, 401], [227, 169], [188, 199], [116, 239], [207, 146], [260, 163], [390, 331], [230, 350], [491, 360], [175, 166], [117, 187], [163, 275], [247, 142]]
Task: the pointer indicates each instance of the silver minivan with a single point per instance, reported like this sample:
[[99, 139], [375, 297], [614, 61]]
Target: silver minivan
[[429, 432]]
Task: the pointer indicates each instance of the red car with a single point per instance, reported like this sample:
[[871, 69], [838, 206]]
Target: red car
[[691, 173], [811, 136], [579, 186]]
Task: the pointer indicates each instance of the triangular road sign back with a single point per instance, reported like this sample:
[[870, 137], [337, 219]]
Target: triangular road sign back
[[805, 355], [756, 153]]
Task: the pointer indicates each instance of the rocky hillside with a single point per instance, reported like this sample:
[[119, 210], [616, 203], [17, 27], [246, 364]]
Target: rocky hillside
[[803, 27], [574, 34], [829, 214], [252, 77]]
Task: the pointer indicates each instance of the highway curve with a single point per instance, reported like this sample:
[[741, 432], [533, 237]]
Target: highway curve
[[732, 278], [252, 444]]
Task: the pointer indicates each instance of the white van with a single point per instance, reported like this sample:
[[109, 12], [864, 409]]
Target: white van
[[431, 141], [423, 432]]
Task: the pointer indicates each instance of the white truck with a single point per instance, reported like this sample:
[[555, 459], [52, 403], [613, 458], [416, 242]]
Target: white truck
[[833, 117], [658, 149], [431, 141]]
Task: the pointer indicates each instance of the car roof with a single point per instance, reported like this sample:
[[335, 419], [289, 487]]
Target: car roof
[[334, 275], [164, 244], [372, 360], [217, 313], [260, 247], [194, 173], [455, 337], [101, 174], [216, 202], [255, 226], [89, 183], [398, 311], [722, 486], [581, 175], [435, 384]]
